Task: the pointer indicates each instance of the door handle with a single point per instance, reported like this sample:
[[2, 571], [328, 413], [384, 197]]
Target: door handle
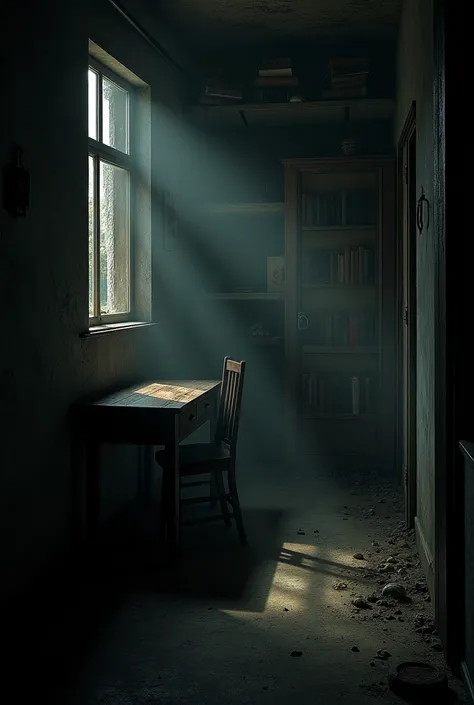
[[303, 321]]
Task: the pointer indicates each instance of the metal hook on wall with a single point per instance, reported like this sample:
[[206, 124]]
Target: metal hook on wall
[[420, 224]]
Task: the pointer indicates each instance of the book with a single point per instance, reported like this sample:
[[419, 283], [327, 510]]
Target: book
[[271, 81], [344, 65], [355, 387], [276, 62], [275, 72]]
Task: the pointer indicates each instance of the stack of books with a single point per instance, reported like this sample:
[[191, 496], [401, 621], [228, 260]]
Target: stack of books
[[275, 82], [347, 78]]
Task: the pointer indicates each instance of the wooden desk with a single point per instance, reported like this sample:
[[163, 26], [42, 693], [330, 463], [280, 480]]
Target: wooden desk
[[160, 413]]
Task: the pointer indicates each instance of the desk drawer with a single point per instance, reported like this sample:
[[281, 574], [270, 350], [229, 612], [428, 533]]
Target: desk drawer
[[205, 410], [188, 420]]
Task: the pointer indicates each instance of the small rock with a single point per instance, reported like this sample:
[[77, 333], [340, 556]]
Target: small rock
[[401, 571], [427, 598], [355, 648], [372, 663], [390, 559], [400, 619], [361, 604], [383, 603], [387, 568], [403, 544], [421, 587], [375, 543], [398, 612], [394, 590], [296, 654], [285, 609], [437, 645], [316, 531], [381, 501], [300, 532], [340, 586], [372, 598], [359, 556], [383, 655], [390, 618]]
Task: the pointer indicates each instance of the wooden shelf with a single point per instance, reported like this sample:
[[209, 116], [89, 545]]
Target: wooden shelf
[[337, 228], [329, 350], [339, 286], [338, 417], [247, 296], [246, 208], [280, 114]]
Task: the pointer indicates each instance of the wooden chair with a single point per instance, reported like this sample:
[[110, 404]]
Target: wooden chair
[[216, 460]]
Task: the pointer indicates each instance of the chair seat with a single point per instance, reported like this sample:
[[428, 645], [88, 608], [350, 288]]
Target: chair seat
[[196, 456]]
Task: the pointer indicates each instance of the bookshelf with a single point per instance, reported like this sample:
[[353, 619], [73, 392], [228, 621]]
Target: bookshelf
[[339, 290]]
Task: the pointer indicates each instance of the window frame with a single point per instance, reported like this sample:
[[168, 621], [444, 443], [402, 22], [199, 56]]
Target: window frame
[[102, 153]]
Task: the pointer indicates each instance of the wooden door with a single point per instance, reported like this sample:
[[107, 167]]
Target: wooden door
[[407, 192]]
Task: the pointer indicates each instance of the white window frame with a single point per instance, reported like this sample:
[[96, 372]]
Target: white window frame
[[101, 152]]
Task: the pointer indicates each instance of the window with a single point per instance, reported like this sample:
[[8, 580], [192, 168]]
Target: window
[[111, 183]]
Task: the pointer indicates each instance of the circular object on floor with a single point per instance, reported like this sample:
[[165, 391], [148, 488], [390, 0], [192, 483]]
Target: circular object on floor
[[417, 679]]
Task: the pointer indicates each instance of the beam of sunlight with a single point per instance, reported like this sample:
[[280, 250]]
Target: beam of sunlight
[[169, 392], [196, 331]]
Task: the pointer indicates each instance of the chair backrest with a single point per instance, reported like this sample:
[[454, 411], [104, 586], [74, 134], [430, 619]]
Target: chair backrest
[[230, 402]]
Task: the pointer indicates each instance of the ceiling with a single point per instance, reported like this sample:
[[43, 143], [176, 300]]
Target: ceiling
[[224, 23]]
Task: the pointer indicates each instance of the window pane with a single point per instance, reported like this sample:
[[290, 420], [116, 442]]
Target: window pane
[[91, 237], [114, 239], [114, 116], [93, 104]]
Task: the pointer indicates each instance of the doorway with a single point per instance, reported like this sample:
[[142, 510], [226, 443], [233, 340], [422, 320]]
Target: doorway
[[407, 302]]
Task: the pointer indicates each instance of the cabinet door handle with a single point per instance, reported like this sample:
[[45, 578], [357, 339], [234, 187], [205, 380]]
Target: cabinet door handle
[[303, 321], [419, 213]]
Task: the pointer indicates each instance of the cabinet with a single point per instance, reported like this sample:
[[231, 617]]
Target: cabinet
[[340, 308]]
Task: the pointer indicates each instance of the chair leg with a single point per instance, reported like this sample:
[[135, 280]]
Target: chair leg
[[214, 491], [219, 482], [236, 505]]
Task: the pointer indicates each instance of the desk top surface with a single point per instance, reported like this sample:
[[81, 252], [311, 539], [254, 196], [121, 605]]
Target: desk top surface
[[159, 394]]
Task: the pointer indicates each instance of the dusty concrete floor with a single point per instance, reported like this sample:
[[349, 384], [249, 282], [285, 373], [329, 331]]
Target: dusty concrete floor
[[221, 628]]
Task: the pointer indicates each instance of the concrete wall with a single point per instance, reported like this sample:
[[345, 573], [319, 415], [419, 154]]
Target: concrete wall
[[44, 363], [415, 72]]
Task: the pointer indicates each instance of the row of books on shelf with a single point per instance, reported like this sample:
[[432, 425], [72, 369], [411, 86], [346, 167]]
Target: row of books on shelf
[[333, 208], [347, 78], [354, 265], [342, 329], [338, 395]]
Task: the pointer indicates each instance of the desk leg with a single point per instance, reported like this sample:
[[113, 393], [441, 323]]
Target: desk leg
[[171, 500], [92, 487]]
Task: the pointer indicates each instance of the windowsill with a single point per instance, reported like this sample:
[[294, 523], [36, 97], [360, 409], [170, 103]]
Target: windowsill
[[105, 328]]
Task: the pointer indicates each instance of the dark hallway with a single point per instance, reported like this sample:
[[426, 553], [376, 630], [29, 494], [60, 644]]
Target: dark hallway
[[218, 217]]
